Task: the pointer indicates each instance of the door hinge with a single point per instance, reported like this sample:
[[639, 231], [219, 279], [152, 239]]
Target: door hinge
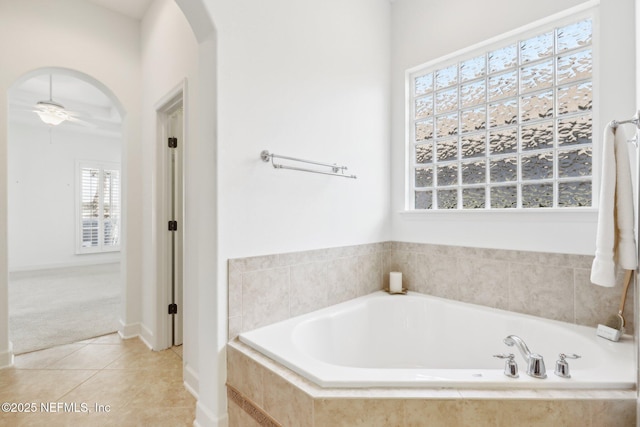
[[173, 142], [173, 225], [173, 308]]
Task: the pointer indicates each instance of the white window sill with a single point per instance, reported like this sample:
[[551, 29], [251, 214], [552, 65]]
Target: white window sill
[[537, 214], [97, 251]]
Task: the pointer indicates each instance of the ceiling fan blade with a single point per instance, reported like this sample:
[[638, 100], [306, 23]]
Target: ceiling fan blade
[[81, 122], [79, 114]]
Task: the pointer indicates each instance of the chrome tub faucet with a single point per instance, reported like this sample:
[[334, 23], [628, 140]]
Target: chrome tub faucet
[[535, 362]]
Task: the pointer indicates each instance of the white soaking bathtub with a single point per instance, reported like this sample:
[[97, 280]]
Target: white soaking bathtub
[[415, 340]]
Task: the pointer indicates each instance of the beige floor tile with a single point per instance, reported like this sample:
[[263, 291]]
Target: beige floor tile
[[162, 360], [111, 339], [87, 341], [140, 387], [45, 358], [60, 419], [130, 345], [34, 385], [168, 397], [114, 388], [177, 350], [90, 357], [156, 416]]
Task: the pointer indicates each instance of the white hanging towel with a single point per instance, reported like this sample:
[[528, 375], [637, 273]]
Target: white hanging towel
[[615, 240]]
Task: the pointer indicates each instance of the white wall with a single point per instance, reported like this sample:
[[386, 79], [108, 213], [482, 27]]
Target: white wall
[[306, 79], [103, 46], [42, 194], [424, 31], [169, 56], [301, 78]]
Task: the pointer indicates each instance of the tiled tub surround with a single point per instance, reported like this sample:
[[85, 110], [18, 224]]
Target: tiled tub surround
[[267, 289], [264, 393]]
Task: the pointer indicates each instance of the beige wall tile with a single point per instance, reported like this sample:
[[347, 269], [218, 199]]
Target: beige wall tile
[[234, 327], [542, 290], [265, 297], [561, 260], [613, 413], [542, 284], [358, 413], [309, 287], [433, 413], [285, 403], [403, 262], [484, 281], [236, 265], [235, 293], [369, 273], [437, 275], [540, 413], [595, 304], [245, 375], [263, 262], [238, 417], [303, 257], [481, 413], [342, 280]]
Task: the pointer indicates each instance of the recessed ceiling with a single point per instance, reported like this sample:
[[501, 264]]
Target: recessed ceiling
[[95, 111], [131, 8], [92, 105]]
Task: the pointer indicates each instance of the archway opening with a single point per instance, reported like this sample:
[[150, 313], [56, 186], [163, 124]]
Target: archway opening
[[65, 210]]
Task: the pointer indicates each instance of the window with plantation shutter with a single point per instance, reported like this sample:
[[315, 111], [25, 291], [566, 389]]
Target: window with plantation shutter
[[99, 207]]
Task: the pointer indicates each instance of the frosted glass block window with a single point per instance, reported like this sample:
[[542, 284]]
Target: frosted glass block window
[[508, 126]]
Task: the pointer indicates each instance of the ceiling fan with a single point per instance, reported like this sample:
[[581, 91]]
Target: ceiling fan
[[54, 113]]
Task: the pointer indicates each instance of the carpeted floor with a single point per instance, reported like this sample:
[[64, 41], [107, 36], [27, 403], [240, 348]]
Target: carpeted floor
[[53, 307]]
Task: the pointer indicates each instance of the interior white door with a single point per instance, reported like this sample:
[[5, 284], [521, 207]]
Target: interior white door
[[175, 199]]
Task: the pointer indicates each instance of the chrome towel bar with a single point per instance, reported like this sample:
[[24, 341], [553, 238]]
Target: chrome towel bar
[[336, 170]]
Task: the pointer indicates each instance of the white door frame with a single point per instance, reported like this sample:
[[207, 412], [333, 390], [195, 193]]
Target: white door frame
[[176, 98]]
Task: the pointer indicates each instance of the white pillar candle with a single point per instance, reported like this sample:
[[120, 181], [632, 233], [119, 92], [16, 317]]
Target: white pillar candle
[[395, 282]]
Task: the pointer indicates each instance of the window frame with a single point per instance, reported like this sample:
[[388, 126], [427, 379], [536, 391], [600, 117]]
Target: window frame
[[101, 166], [590, 11]]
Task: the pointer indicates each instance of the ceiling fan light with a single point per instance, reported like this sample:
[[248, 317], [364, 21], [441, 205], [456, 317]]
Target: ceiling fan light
[[51, 113]]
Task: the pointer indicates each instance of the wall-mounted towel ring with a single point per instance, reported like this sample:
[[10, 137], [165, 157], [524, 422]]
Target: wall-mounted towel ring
[[635, 120]]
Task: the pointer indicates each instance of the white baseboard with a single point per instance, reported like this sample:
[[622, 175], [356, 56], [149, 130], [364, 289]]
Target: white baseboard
[[57, 266], [6, 357], [205, 418], [146, 336], [191, 381], [131, 330], [136, 330]]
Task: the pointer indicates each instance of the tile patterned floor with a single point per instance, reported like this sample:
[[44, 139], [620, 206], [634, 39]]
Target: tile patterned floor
[[105, 381]]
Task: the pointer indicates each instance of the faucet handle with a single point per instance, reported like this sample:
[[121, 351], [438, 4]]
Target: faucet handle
[[536, 366], [562, 366], [510, 366], [569, 356], [504, 356]]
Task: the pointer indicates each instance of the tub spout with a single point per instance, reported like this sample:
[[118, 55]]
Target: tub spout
[[535, 362]]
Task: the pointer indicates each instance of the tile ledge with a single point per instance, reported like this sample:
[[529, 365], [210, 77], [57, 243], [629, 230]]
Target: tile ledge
[[317, 392]]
